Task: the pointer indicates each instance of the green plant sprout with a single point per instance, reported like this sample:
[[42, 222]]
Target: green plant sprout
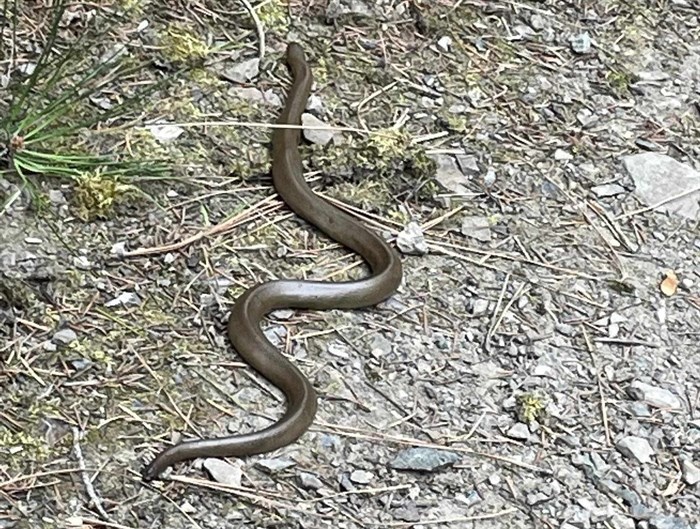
[[54, 108]]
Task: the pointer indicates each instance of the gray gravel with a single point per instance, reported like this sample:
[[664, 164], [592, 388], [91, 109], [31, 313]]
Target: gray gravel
[[529, 372]]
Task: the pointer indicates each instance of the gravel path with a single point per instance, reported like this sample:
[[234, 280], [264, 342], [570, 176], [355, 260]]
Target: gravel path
[[538, 365]]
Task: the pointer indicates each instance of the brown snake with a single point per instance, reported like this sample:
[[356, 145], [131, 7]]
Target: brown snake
[[244, 323]]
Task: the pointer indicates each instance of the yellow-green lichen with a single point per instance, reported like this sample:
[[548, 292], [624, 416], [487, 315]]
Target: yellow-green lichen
[[273, 15], [23, 443], [96, 194], [182, 45], [530, 407]]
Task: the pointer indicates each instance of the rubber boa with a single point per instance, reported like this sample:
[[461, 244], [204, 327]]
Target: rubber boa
[[244, 330]]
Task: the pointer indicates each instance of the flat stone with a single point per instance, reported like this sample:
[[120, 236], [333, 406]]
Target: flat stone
[[562, 156], [275, 464], [310, 481], [658, 177], [480, 307], [468, 164], [445, 43], [668, 522], [691, 473], [448, 174], [519, 431], [223, 472], [338, 8], [125, 298], [361, 477], [256, 96], [64, 337], [581, 43], [316, 135], [476, 227], [636, 448], [244, 71], [654, 396], [490, 177], [56, 197], [424, 459], [607, 190], [165, 133], [380, 346], [411, 240]]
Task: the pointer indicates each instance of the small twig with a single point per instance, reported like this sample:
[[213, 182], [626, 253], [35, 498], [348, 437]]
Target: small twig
[[37, 475], [454, 519], [259, 125], [255, 210], [521, 290], [96, 501], [603, 407], [255, 498], [258, 27], [627, 341], [358, 106], [374, 436], [495, 320], [354, 492], [103, 523], [659, 204]]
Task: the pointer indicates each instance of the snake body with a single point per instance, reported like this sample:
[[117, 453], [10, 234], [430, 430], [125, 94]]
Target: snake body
[[244, 330]]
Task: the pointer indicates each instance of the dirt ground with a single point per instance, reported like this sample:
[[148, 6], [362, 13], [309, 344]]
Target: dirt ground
[[538, 366]]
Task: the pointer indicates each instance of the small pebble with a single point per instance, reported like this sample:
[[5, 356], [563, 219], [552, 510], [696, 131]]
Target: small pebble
[[275, 464], [561, 155], [445, 43], [64, 337], [581, 43], [691, 473], [424, 459], [637, 448], [519, 431], [654, 396], [223, 472], [309, 481], [320, 136], [361, 477], [411, 240], [244, 71]]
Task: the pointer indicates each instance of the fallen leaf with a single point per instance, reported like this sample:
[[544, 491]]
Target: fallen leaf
[[670, 284]]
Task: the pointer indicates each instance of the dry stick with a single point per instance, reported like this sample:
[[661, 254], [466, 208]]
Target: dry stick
[[599, 231], [259, 125], [258, 27], [103, 523], [486, 253], [37, 475], [626, 341], [605, 217], [431, 224], [371, 490], [270, 503], [360, 434], [496, 319], [505, 310], [369, 98], [454, 519], [658, 204], [266, 502], [96, 501], [603, 407], [253, 211]]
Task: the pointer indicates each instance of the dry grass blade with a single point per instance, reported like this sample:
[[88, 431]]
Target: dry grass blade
[[259, 209], [381, 437]]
